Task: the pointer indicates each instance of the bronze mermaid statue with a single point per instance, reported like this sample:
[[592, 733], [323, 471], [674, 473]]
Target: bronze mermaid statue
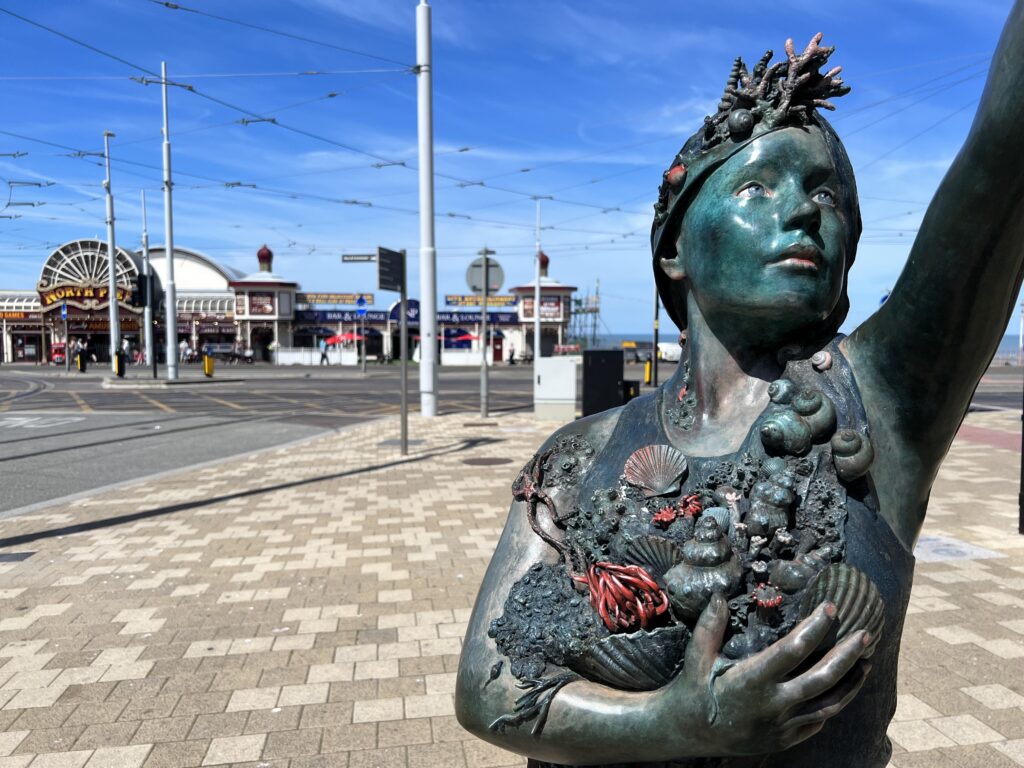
[[717, 573]]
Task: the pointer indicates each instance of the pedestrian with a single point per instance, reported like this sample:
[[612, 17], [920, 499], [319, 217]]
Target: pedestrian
[[126, 349], [511, 355], [323, 353]]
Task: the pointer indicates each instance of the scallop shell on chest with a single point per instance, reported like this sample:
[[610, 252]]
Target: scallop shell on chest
[[657, 470]]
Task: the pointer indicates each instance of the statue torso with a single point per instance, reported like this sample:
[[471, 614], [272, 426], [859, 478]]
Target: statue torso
[[795, 522]]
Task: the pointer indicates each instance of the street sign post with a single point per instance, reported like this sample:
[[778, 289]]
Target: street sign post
[[361, 311], [484, 276], [391, 277], [67, 339]]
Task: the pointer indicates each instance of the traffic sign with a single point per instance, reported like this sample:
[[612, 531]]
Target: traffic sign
[[390, 269], [475, 276], [63, 311], [361, 306]]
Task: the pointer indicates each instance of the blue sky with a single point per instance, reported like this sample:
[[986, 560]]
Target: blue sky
[[593, 98]]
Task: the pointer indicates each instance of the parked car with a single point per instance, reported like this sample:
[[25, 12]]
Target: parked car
[[637, 351]]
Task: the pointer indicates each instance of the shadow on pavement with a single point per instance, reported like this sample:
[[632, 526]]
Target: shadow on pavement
[[462, 445]]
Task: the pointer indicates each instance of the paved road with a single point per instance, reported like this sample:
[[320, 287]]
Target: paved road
[[62, 435]]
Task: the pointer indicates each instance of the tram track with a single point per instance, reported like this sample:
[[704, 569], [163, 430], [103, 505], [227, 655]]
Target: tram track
[[34, 386]]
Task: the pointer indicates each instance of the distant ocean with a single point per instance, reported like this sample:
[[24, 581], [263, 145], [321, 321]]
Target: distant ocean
[[1007, 347]]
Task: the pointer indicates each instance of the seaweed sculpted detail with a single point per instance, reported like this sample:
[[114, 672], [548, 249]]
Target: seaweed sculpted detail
[[638, 562]]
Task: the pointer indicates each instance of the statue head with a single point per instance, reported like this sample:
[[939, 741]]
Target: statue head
[[757, 218]]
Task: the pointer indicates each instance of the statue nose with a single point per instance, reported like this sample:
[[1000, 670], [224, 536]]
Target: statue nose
[[804, 213]]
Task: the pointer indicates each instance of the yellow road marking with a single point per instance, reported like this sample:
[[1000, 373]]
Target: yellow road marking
[[157, 403], [81, 403], [227, 403], [320, 410]]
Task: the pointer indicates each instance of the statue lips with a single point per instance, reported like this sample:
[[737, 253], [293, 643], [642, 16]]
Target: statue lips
[[803, 258]]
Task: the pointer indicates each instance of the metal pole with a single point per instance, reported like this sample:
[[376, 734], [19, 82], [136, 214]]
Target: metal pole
[[1020, 337], [67, 345], [486, 252], [654, 346], [362, 341], [428, 256], [536, 298], [170, 295], [403, 350], [115, 328], [147, 312]]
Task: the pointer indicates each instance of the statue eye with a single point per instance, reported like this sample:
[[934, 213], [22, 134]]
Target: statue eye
[[752, 190], [824, 197]]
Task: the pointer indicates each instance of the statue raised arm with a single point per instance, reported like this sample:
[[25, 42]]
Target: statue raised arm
[[707, 576]]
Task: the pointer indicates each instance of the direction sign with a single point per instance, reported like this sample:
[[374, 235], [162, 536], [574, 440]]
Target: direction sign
[[63, 311], [365, 257], [390, 269], [475, 276], [361, 306]]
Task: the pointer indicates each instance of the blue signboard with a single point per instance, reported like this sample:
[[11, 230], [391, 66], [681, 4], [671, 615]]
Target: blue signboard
[[63, 311], [379, 316], [361, 306]]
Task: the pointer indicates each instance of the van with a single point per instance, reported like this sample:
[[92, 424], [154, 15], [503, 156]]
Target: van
[[669, 351]]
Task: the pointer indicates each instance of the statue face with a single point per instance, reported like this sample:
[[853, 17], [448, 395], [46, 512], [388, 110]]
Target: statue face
[[765, 238]]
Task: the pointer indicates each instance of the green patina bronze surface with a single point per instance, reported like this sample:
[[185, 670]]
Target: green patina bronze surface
[[717, 573]]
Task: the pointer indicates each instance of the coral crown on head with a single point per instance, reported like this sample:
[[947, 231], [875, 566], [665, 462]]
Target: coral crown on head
[[773, 96]]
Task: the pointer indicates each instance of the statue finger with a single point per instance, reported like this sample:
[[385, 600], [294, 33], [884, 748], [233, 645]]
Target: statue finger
[[832, 668], [832, 703], [781, 658], [706, 642], [792, 737]]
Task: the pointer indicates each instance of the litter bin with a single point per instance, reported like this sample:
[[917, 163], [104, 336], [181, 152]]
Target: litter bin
[[630, 389], [81, 361], [208, 366], [120, 360], [602, 380]]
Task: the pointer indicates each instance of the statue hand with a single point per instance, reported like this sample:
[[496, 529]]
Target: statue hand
[[758, 705]]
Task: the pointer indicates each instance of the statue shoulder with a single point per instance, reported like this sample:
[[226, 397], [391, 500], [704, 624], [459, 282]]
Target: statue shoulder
[[595, 429], [565, 458]]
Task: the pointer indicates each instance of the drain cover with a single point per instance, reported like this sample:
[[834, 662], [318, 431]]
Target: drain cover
[[484, 461]]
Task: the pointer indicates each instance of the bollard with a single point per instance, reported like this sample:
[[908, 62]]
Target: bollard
[[119, 360], [208, 366], [647, 372], [80, 361]]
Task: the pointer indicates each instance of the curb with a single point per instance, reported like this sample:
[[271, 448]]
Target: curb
[[111, 383]]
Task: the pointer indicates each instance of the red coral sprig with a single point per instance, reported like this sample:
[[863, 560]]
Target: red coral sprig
[[691, 505], [665, 516], [625, 596]]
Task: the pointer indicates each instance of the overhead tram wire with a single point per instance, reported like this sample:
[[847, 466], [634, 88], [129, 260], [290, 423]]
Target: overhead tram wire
[[268, 30], [294, 129], [283, 193], [203, 76]]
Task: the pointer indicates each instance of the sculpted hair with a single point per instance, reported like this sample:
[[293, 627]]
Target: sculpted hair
[[786, 94]]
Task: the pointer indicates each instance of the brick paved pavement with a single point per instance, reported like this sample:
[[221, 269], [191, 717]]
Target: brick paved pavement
[[305, 608]]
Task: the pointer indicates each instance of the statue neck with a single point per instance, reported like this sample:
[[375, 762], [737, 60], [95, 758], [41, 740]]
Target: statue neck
[[730, 382]]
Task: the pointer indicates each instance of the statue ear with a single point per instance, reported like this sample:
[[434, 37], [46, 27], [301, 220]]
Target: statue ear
[[673, 267]]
